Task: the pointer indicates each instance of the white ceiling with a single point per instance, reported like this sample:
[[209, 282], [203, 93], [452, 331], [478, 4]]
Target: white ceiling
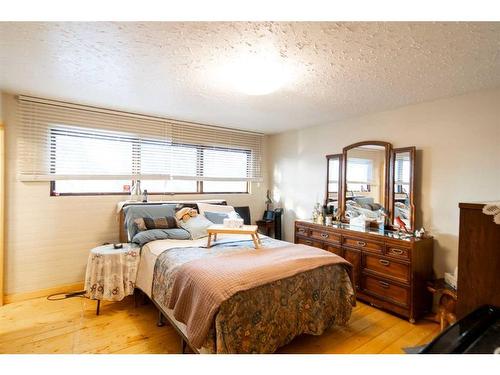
[[336, 70]]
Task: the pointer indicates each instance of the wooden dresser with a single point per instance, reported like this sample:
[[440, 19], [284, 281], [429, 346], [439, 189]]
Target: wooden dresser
[[389, 272], [478, 259]]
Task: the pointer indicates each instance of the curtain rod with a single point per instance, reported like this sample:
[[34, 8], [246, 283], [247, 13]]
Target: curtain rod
[[89, 108]]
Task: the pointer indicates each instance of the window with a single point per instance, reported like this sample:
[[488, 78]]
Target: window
[[359, 174], [113, 154], [233, 164], [90, 150], [402, 174], [333, 175], [402, 171]]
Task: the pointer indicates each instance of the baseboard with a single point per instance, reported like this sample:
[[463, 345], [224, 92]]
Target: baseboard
[[18, 297]]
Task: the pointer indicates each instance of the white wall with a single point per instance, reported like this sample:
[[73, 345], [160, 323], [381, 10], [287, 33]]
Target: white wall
[[48, 238], [458, 158]]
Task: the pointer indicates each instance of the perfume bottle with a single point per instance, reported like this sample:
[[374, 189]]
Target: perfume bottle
[[319, 219], [316, 212], [136, 192], [145, 196]]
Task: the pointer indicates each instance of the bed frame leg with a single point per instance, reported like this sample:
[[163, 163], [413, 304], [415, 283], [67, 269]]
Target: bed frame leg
[[160, 322], [183, 346]]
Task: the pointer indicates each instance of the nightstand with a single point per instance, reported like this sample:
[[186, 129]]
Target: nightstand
[[111, 273], [266, 227]]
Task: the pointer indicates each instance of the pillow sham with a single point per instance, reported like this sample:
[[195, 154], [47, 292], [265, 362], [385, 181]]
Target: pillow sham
[[218, 217], [146, 236], [140, 224], [203, 207], [133, 212], [197, 226], [160, 222]]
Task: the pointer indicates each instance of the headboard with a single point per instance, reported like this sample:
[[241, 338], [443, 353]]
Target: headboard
[[122, 205]]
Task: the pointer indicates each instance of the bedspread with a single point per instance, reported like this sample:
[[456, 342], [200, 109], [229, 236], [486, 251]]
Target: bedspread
[[263, 318]]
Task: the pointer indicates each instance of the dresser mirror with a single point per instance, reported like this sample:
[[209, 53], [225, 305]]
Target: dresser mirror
[[403, 169], [373, 182], [365, 188], [333, 186]]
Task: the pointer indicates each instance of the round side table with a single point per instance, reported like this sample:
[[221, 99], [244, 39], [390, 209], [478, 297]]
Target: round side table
[[111, 273]]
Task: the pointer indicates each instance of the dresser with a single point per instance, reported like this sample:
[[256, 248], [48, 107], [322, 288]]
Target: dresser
[[478, 260], [390, 272]]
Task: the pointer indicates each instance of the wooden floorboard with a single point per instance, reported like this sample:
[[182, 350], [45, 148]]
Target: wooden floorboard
[[71, 326]]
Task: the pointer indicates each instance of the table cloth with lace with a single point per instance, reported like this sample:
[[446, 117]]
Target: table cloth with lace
[[111, 273]]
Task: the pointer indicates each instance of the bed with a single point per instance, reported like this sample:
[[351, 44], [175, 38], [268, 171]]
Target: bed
[[269, 296]]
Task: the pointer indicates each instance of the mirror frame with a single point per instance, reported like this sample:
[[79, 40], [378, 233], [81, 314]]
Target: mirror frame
[[412, 151], [340, 194], [388, 177]]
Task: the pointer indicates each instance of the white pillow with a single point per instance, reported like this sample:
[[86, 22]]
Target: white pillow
[[205, 207], [196, 226]]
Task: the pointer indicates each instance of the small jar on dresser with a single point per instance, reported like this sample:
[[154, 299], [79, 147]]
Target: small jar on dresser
[[390, 270]]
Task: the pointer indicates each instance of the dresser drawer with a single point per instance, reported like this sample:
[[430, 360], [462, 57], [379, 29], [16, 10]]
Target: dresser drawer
[[325, 236], [302, 231], [398, 252], [305, 241], [386, 290], [334, 249], [376, 247], [387, 267]]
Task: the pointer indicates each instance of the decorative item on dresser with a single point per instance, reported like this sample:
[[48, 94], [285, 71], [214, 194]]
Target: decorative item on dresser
[[390, 269], [478, 259]]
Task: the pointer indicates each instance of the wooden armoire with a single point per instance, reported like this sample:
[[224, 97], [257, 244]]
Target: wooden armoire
[[478, 259]]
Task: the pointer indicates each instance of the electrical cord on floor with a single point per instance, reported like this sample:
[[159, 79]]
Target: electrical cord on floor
[[54, 297]]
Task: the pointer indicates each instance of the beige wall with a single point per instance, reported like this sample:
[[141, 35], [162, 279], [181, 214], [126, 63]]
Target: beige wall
[[48, 238], [458, 157], [2, 182]]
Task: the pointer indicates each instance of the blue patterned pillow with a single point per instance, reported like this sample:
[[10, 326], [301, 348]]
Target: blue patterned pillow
[[146, 236], [133, 212]]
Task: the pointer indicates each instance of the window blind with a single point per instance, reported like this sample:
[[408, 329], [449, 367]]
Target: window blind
[[402, 170], [360, 171], [64, 141]]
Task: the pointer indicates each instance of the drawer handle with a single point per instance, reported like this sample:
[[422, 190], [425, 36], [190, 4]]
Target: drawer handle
[[361, 243], [309, 242], [397, 251], [324, 235], [384, 262], [302, 231], [383, 284]]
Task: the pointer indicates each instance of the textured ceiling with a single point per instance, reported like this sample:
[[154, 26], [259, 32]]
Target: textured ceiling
[[335, 70]]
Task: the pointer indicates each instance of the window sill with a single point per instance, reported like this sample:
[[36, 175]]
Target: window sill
[[53, 194]]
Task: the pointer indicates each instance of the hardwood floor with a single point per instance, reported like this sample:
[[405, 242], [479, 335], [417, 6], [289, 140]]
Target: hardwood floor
[[71, 326]]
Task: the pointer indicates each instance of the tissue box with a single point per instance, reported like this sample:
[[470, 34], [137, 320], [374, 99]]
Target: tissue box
[[359, 221], [233, 223]]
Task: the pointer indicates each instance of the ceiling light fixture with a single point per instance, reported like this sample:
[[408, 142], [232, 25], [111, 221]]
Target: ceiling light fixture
[[254, 74]]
